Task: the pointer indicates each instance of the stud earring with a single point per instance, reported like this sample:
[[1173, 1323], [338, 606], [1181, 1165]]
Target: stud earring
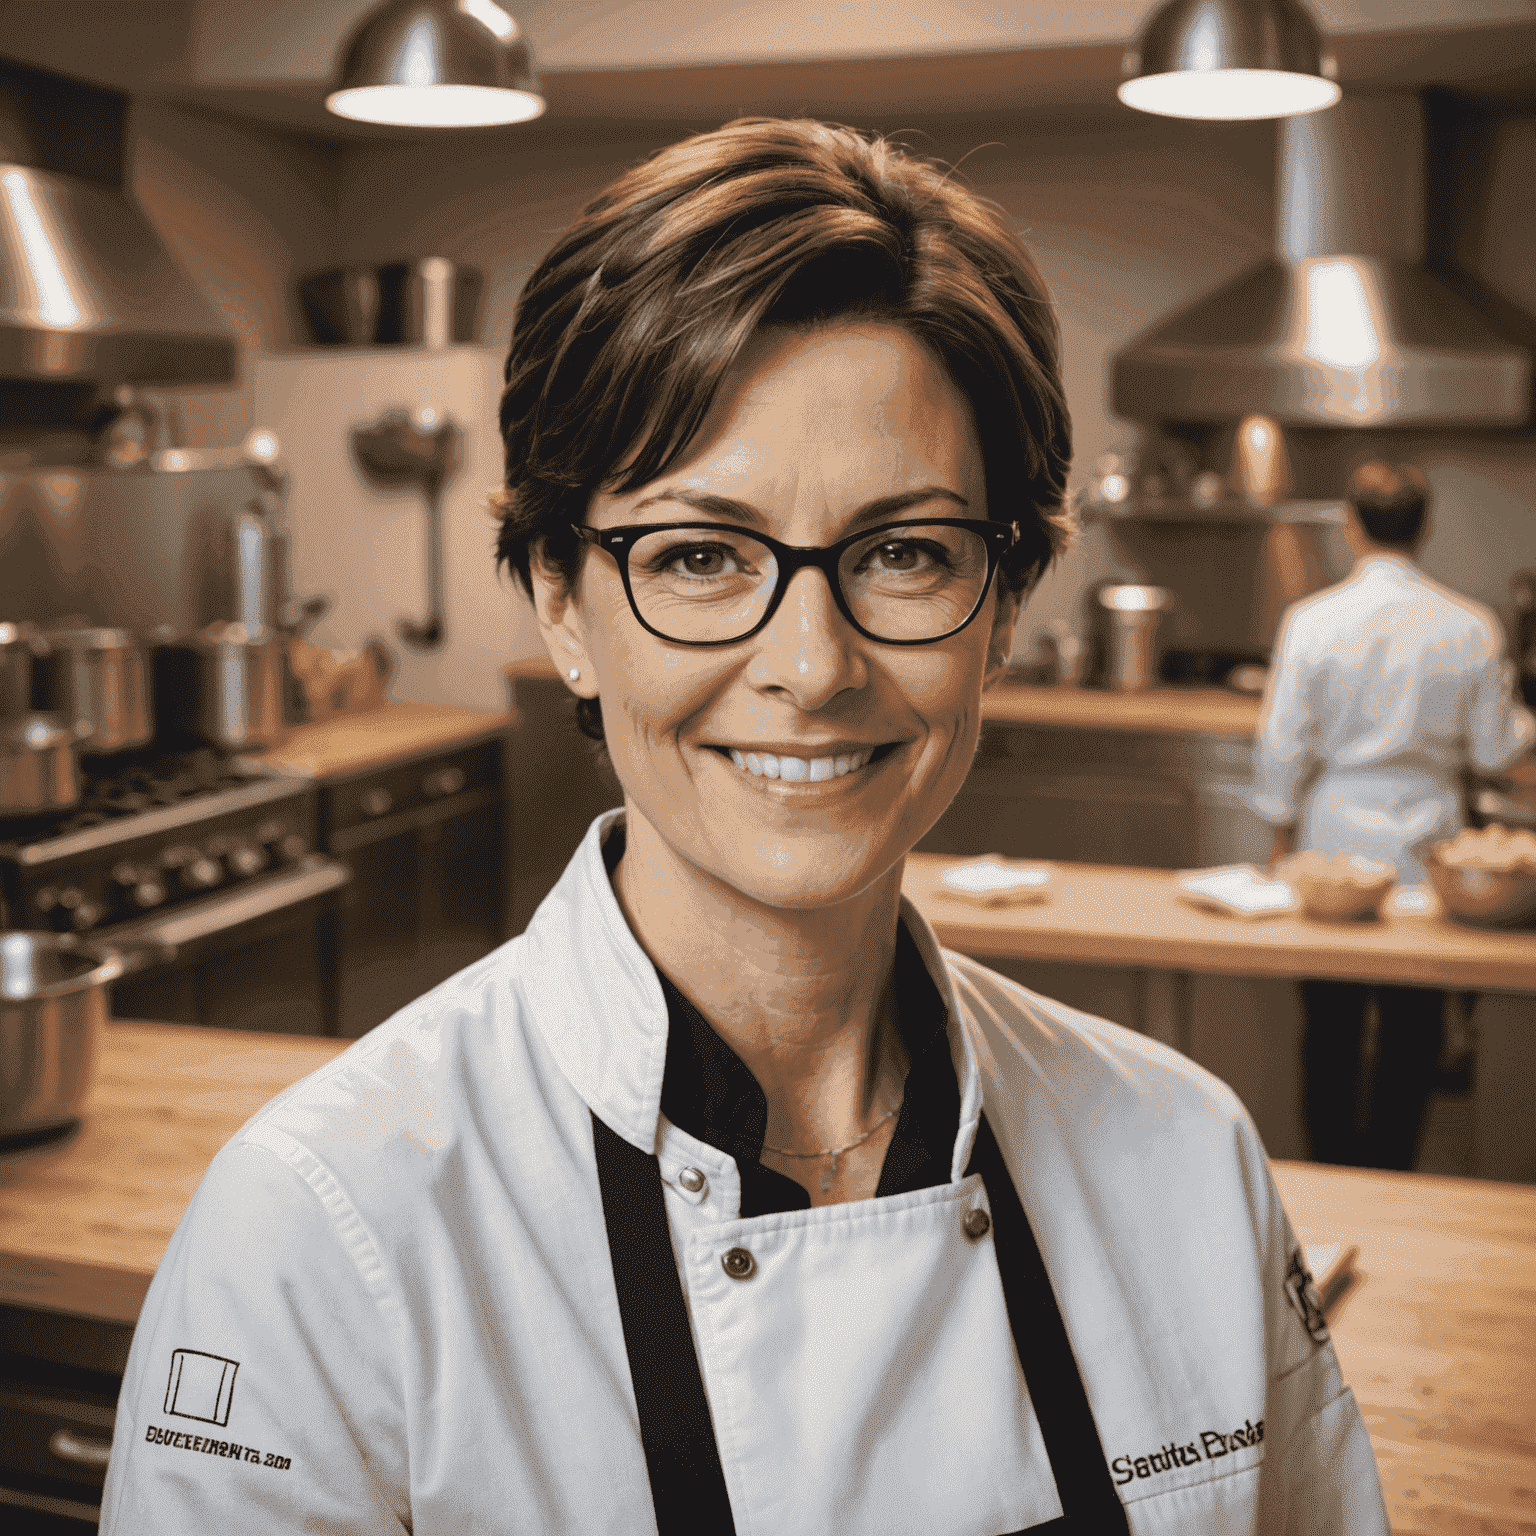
[[574, 674]]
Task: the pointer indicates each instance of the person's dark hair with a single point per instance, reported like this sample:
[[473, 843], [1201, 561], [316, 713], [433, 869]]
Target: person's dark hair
[[627, 327], [1390, 501]]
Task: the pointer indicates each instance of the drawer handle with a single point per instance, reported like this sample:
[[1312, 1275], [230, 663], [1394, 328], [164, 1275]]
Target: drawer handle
[[442, 782], [68, 1446]]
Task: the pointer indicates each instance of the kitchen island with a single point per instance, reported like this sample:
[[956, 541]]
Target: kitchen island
[[1113, 915], [1437, 1335]]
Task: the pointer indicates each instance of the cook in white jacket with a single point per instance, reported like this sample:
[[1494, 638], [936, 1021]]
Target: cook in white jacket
[[720, 1200], [1383, 689]]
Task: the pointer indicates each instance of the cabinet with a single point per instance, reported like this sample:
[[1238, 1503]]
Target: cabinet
[[558, 781], [425, 840]]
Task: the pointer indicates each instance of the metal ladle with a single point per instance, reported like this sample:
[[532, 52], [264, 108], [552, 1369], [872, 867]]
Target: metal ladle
[[420, 448]]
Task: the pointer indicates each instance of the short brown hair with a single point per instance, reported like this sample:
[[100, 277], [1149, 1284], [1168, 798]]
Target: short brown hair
[[626, 329], [1390, 501]]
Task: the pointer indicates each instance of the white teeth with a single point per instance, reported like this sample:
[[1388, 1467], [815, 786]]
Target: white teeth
[[798, 770]]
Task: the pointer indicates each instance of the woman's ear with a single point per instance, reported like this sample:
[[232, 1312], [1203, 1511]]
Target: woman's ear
[[1000, 641], [559, 615]]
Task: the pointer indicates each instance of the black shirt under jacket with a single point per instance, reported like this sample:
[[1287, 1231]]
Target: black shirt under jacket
[[708, 1092]]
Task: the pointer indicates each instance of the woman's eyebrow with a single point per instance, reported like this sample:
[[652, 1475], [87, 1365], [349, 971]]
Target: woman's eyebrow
[[744, 512]]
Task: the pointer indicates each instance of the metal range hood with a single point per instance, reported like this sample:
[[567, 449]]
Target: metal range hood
[[1347, 327], [89, 295]]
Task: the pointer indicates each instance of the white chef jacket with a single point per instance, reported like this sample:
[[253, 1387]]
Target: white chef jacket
[[1382, 688], [390, 1305]]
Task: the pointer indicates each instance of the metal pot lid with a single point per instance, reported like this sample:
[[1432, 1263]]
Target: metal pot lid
[[39, 965], [40, 732], [92, 639]]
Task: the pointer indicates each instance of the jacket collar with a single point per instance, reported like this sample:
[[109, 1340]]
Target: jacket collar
[[597, 1002]]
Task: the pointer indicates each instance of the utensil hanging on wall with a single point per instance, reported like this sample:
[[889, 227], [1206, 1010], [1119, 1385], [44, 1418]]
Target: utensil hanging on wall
[[418, 448]]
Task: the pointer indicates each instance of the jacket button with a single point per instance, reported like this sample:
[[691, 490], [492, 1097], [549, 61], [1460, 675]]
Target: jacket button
[[692, 1179], [977, 1223], [738, 1263]]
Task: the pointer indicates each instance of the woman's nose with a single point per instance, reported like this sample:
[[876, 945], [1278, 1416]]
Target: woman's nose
[[808, 650]]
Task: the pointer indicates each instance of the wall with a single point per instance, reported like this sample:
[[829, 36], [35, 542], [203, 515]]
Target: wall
[[246, 212], [1126, 219], [1129, 217]]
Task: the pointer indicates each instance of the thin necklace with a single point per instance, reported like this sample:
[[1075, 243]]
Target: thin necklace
[[829, 1174]]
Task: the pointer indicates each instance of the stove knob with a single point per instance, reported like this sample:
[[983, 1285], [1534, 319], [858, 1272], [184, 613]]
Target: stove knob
[[376, 802], [292, 848], [137, 886], [201, 873], [58, 907], [244, 860], [442, 782], [84, 916]]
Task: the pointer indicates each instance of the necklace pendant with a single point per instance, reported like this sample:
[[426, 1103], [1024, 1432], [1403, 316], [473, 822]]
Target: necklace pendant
[[828, 1174]]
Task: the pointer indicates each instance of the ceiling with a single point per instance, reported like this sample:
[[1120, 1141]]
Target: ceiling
[[704, 60]]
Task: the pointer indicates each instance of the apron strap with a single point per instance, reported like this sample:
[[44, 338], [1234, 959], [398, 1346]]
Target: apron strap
[[1088, 1499], [687, 1483]]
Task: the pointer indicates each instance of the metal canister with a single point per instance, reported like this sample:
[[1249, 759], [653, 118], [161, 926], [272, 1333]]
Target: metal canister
[[99, 677], [1134, 612]]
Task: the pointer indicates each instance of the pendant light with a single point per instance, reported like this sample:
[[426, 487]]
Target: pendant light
[[436, 64], [1229, 59]]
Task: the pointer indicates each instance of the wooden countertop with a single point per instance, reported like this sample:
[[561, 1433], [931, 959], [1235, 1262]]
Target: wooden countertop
[[1437, 1338], [374, 738], [1108, 915], [1216, 710], [83, 1225]]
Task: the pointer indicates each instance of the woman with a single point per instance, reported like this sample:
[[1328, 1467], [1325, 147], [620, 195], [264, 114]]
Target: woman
[[721, 1200], [1384, 689]]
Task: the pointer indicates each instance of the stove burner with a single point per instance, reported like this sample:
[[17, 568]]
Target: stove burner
[[124, 785]]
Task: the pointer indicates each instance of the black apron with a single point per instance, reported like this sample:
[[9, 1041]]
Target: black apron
[[687, 1484]]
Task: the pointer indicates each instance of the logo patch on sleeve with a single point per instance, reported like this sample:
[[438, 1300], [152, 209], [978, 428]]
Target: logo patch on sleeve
[[201, 1386], [1301, 1289]]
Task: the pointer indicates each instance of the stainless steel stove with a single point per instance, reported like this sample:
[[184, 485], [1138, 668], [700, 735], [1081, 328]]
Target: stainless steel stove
[[201, 870]]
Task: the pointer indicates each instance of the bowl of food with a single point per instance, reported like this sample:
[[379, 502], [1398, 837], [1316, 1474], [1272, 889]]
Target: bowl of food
[[1486, 876], [1342, 888]]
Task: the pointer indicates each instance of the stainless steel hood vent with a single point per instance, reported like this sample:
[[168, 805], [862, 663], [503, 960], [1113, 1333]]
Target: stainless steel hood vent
[[88, 292], [1346, 327]]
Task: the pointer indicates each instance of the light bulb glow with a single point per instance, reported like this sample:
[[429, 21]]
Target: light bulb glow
[[491, 17], [1229, 94], [435, 106]]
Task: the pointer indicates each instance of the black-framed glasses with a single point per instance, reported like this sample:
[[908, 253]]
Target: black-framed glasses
[[907, 583]]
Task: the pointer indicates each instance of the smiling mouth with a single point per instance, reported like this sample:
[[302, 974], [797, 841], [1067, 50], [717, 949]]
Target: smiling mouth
[[804, 770]]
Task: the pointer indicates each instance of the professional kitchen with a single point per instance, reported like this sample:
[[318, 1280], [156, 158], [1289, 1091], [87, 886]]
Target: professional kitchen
[[395, 1134]]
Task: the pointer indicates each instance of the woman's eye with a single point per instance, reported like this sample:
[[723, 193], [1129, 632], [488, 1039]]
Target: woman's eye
[[900, 555], [702, 560]]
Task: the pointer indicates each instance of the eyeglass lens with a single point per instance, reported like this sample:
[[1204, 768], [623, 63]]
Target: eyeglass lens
[[915, 582]]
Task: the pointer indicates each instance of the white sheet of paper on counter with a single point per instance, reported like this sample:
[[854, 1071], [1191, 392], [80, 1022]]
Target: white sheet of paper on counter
[[990, 882], [1238, 890]]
